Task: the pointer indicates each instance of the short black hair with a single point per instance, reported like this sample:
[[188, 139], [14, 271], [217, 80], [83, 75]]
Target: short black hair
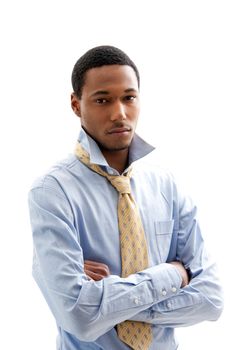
[[97, 57]]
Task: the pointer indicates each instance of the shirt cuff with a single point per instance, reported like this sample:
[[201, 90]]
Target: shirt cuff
[[138, 292], [166, 281]]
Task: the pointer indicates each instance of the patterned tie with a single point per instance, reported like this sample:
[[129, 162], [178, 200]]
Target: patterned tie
[[134, 255]]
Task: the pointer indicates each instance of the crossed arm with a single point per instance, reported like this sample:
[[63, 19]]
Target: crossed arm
[[96, 271], [87, 304]]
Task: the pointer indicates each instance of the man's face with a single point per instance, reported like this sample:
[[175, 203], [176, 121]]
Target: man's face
[[109, 106]]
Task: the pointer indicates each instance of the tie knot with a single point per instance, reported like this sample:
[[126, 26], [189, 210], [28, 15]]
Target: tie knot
[[121, 183]]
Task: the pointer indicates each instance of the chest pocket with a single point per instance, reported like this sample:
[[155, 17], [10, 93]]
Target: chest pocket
[[163, 235]]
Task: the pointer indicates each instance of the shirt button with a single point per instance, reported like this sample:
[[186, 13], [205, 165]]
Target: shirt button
[[136, 301], [174, 289], [169, 305], [164, 292]]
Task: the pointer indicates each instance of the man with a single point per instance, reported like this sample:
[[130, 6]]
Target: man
[[119, 268]]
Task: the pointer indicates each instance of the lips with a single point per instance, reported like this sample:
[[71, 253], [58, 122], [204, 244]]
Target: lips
[[119, 130]]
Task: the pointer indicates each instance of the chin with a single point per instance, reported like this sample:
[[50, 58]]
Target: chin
[[115, 148]]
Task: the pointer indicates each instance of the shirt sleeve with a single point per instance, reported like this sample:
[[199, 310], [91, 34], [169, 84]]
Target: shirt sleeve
[[202, 298], [83, 307]]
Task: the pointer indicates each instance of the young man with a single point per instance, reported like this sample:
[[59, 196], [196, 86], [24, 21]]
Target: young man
[[118, 253]]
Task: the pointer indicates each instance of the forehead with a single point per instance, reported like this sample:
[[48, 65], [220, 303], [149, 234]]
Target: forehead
[[110, 77]]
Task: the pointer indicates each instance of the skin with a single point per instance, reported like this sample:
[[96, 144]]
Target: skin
[[96, 271], [108, 110]]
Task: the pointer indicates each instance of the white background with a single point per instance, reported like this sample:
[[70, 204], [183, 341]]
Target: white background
[[184, 52]]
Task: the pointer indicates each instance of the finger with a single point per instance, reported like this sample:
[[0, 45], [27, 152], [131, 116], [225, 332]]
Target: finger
[[99, 268], [100, 271], [95, 263], [93, 275], [92, 262]]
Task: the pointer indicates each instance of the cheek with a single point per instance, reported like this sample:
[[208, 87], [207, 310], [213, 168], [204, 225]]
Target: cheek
[[135, 115], [134, 111], [91, 122], [86, 116]]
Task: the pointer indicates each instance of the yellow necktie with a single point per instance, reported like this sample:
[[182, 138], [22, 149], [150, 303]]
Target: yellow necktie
[[134, 255]]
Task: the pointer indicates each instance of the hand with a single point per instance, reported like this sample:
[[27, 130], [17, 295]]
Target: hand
[[182, 272], [95, 270]]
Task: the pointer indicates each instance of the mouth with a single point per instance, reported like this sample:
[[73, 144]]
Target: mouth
[[119, 130]]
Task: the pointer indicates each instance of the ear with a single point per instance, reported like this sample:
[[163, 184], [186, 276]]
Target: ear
[[75, 104]]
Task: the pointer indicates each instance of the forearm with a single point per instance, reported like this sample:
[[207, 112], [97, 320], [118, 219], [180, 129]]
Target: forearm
[[81, 306], [200, 301], [96, 307]]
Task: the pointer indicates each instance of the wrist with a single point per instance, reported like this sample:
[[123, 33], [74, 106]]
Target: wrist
[[182, 271]]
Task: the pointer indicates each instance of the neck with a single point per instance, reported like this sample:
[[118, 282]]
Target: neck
[[117, 159]]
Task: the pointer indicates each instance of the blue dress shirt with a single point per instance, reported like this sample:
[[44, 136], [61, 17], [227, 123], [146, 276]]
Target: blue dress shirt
[[73, 214]]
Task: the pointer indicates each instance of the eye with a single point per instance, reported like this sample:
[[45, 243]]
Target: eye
[[101, 101], [130, 97]]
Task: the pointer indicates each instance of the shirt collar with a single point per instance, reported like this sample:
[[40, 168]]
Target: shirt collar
[[138, 149]]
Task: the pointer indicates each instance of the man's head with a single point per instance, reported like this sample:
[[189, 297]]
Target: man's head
[[97, 57], [106, 97]]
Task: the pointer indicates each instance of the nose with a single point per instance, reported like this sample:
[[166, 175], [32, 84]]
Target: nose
[[118, 111]]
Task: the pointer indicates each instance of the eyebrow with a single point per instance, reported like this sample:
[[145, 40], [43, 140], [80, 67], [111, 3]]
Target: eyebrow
[[105, 92], [100, 92]]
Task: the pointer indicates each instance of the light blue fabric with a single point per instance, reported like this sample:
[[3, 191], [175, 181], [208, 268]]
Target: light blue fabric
[[73, 214]]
